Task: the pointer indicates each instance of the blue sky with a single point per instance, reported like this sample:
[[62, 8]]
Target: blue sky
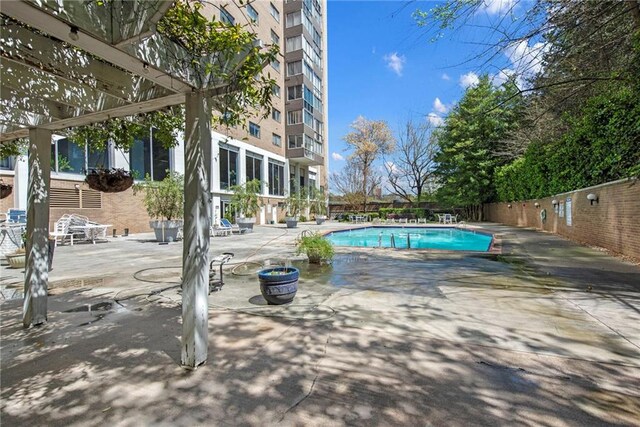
[[382, 66]]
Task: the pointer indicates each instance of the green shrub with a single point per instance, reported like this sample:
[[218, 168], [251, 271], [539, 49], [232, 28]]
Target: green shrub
[[302, 218], [316, 247]]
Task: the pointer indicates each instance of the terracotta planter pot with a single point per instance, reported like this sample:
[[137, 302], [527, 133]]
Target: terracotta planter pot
[[16, 260]]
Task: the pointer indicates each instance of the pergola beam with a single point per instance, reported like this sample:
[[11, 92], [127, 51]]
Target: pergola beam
[[38, 18], [100, 116], [23, 45], [24, 101], [18, 76]]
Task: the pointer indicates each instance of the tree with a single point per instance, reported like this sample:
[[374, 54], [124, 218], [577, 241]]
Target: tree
[[348, 183], [411, 171], [566, 52], [471, 145], [370, 140]]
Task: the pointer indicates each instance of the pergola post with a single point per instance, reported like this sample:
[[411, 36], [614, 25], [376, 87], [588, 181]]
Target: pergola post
[[197, 207], [37, 250]]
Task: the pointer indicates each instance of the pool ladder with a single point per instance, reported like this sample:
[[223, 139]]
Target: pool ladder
[[393, 240]]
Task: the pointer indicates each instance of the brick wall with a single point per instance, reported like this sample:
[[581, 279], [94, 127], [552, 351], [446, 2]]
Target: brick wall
[[612, 223], [121, 210]]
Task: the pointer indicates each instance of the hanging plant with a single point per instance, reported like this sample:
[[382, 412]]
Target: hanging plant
[[5, 190], [109, 180]]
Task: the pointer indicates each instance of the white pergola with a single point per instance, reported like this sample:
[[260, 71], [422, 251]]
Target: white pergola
[[71, 63]]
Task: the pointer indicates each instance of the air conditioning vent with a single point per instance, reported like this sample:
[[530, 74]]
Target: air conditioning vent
[[67, 198], [91, 199]]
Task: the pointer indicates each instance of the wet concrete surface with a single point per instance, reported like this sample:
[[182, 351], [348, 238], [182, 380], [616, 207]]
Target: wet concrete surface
[[544, 333]]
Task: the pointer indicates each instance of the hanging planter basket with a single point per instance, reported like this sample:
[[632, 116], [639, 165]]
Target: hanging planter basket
[[109, 180], [5, 190]]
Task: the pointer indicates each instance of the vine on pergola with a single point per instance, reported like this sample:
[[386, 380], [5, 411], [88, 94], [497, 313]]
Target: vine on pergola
[[211, 45]]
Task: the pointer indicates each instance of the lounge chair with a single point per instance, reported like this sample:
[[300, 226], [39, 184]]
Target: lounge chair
[[219, 230], [235, 228], [61, 230]]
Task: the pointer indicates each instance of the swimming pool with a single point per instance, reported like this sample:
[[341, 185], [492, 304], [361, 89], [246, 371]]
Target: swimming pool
[[449, 239]]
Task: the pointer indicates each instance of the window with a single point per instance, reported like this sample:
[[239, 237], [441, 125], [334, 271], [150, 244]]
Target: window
[[276, 65], [254, 130], [275, 39], [274, 12], [148, 157], [276, 139], [295, 141], [8, 163], [226, 17], [293, 43], [275, 115], [293, 19], [228, 166], [276, 178], [276, 90], [294, 92], [68, 157], [253, 166], [294, 117], [294, 68], [253, 14]]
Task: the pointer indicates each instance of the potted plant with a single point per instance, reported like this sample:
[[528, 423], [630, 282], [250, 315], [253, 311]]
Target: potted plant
[[295, 203], [18, 258], [319, 206], [317, 248], [278, 285], [246, 202], [164, 199]]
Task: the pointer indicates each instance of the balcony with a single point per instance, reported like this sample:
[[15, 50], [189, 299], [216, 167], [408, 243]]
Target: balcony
[[304, 156]]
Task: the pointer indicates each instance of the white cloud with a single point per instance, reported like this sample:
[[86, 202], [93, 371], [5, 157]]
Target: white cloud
[[439, 106], [390, 166], [497, 7], [445, 76], [527, 60], [337, 156], [502, 76], [435, 119], [395, 62], [469, 79]]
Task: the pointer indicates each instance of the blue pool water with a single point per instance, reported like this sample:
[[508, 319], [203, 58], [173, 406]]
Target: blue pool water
[[449, 239]]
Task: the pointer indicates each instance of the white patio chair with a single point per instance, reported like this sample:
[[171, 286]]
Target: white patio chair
[[61, 230]]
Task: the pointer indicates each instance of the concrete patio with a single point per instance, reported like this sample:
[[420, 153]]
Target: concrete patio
[[546, 333]]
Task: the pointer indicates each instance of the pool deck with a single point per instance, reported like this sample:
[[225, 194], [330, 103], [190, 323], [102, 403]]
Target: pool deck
[[545, 332]]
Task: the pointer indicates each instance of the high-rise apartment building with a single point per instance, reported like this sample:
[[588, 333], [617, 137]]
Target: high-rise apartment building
[[285, 151]]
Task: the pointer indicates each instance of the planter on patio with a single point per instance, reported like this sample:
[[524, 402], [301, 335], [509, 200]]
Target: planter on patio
[[166, 231], [246, 223], [279, 285], [17, 260], [292, 222]]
